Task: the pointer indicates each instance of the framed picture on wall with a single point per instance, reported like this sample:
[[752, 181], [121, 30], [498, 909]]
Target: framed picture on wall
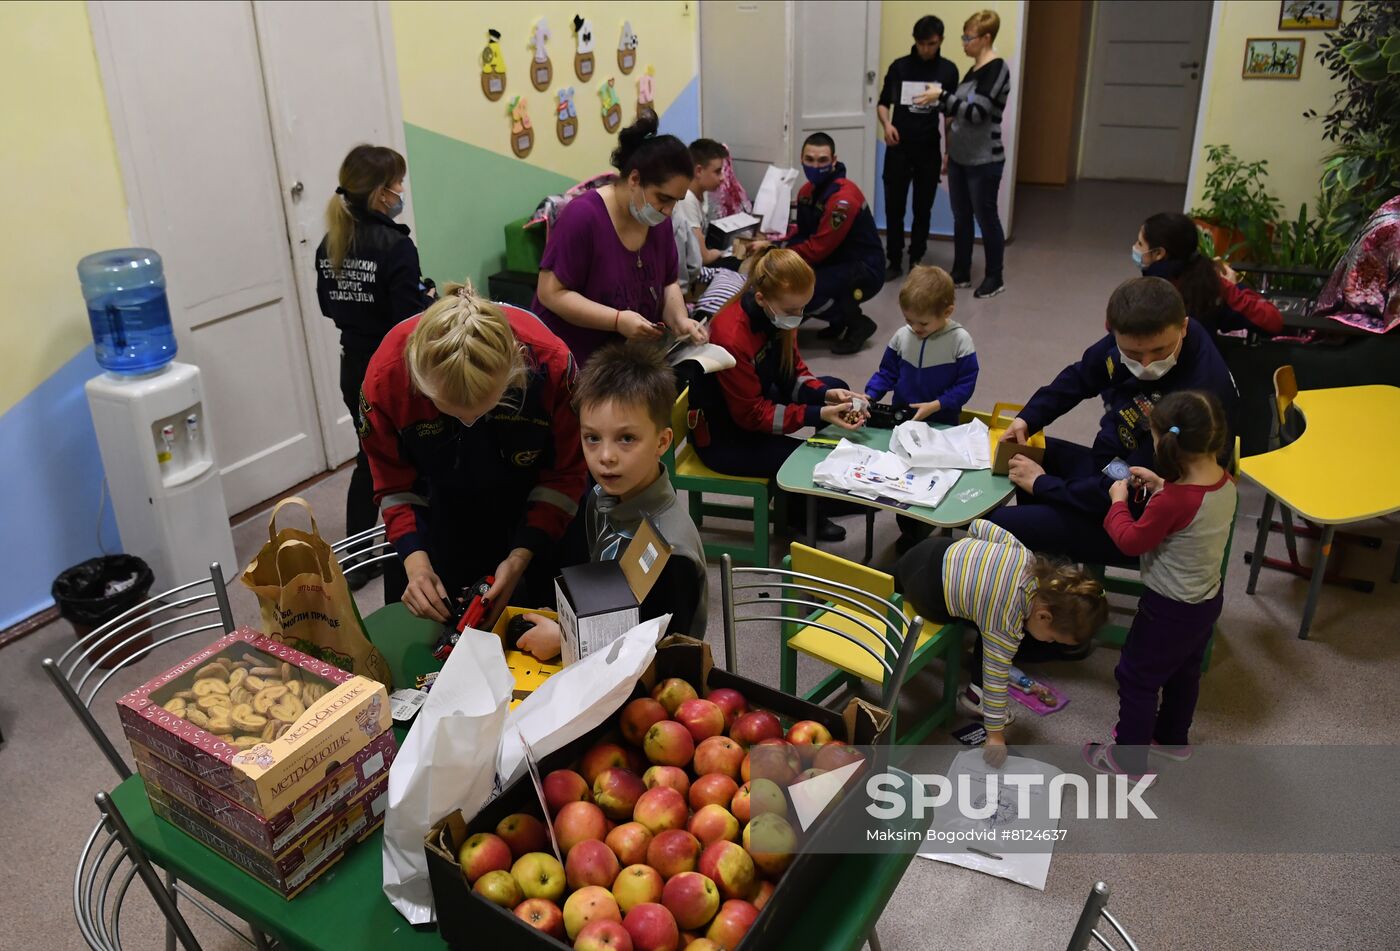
[[1273, 57], [1309, 14]]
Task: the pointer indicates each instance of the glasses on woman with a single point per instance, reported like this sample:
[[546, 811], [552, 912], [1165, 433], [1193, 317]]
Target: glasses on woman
[[969, 39]]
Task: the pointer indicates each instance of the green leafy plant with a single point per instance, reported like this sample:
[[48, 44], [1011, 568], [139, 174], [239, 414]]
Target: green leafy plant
[[1236, 200], [1363, 171], [1304, 242]]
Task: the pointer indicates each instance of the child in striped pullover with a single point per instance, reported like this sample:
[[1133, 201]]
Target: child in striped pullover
[[992, 581]]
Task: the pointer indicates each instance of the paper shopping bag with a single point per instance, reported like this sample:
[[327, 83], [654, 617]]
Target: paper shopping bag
[[447, 762], [305, 601]]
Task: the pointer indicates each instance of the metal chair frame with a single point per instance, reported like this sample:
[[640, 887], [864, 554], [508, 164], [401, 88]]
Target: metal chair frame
[[1086, 930], [351, 562]]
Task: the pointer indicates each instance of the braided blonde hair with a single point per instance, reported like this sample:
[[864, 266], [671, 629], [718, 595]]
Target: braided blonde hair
[[462, 347], [1074, 598]]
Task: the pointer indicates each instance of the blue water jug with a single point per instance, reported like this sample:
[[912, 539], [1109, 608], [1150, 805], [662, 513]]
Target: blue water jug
[[125, 294]]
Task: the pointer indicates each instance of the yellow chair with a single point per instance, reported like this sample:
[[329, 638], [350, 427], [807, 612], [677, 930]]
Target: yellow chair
[[689, 473], [859, 626]]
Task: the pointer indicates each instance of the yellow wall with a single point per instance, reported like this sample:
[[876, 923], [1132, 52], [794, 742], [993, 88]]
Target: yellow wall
[[439, 47], [65, 189], [897, 18], [1263, 118]]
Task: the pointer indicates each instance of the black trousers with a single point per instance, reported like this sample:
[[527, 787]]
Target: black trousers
[[360, 511], [972, 190], [904, 166]]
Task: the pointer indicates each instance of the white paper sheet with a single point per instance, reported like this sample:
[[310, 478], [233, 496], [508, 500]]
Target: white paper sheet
[[907, 92], [733, 224], [873, 473]]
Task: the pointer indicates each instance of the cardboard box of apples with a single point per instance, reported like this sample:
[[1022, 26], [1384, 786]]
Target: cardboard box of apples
[[674, 820]]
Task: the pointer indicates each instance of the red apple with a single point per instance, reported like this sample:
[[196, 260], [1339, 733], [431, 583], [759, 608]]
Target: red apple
[[712, 823], [542, 915], [719, 754], [577, 822], [652, 927], [730, 702], [777, 760], [539, 876], [673, 692], [672, 776], [691, 898], [712, 788], [668, 743], [702, 718], [637, 884], [638, 716], [836, 754], [765, 798], [739, 805], [808, 736], [732, 922], [755, 726], [673, 851], [730, 867], [660, 809], [807, 774], [483, 853], [601, 757], [564, 786], [702, 944], [765, 892], [603, 936], [770, 841], [590, 903], [523, 833], [591, 862], [616, 792], [499, 888], [629, 842]]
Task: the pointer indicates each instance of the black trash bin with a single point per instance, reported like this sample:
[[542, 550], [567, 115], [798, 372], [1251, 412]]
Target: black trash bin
[[92, 593]]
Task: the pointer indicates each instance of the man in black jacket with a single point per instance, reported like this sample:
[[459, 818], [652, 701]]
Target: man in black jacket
[[912, 152]]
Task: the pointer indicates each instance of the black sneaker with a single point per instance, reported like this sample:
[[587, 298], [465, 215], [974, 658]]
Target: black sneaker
[[357, 574], [990, 287], [892, 271], [859, 329], [961, 280], [829, 531], [831, 331]]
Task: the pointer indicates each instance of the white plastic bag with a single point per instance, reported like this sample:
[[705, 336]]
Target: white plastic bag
[[874, 474], [958, 447], [447, 762], [773, 201]]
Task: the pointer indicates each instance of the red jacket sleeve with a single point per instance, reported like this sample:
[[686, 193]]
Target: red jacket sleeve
[[1166, 512], [395, 478], [1253, 308], [837, 219], [553, 502]]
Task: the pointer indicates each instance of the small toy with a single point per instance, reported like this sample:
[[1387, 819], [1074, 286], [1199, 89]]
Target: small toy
[[493, 67], [627, 49], [541, 69], [583, 55], [884, 416], [471, 607]]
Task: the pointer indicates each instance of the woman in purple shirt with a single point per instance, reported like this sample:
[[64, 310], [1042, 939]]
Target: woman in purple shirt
[[610, 265]]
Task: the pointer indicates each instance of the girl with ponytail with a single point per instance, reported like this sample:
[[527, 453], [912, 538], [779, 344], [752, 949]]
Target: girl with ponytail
[[367, 280], [1180, 539], [1167, 247], [748, 410]]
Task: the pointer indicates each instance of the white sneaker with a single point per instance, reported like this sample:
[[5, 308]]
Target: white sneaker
[[970, 704]]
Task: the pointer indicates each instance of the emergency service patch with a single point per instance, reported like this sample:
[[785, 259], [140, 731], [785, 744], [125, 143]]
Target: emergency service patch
[[1126, 437], [362, 424], [526, 457], [1108, 362]]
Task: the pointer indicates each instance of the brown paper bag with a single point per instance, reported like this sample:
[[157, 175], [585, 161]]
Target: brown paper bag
[[305, 601]]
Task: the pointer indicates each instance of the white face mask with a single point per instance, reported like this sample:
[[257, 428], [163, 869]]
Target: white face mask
[[1154, 370], [783, 321], [646, 214]]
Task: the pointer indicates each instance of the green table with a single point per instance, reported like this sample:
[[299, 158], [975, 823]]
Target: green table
[[345, 910], [976, 493]]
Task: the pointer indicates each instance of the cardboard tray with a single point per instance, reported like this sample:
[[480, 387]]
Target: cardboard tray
[[1003, 453], [466, 920]]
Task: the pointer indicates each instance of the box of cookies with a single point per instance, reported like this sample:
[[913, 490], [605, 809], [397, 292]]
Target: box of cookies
[[254, 719], [342, 782]]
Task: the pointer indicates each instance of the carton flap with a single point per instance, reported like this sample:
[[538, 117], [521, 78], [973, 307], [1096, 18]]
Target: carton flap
[[644, 558]]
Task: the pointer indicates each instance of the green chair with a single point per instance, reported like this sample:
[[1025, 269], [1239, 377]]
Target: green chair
[[689, 473]]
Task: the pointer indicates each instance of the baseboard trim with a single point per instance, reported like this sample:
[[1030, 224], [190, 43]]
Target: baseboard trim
[[28, 626]]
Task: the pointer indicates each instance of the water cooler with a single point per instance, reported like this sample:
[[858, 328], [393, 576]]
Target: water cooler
[[148, 411]]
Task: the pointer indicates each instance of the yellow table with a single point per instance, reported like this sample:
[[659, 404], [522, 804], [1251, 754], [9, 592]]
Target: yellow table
[[1342, 469]]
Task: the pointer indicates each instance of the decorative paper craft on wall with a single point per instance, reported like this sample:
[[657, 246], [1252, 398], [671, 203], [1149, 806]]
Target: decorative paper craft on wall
[[1273, 58], [566, 124], [627, 49], [646, 93], [522, 134], [612, 106], [493, 67], [541, 69], [583, 58]]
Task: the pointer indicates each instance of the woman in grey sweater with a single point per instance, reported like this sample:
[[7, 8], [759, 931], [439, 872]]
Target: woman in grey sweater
[[976, 158]]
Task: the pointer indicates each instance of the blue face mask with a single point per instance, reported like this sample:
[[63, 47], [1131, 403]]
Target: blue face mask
[[395, 205], [815, 174], [1137, 257]]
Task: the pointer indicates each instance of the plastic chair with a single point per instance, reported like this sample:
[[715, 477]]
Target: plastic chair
[[1087, 929], [689, 473], [856, 628]]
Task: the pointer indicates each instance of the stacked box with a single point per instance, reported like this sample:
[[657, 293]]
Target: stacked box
[[275, 759]]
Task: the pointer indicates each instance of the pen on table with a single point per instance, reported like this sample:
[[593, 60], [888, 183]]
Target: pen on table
[[990, 855]]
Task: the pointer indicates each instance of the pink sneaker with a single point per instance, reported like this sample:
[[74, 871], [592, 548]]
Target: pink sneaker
[[1178, 753], [1099, 756]]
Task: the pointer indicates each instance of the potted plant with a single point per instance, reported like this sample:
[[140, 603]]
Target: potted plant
[[1237, 210]]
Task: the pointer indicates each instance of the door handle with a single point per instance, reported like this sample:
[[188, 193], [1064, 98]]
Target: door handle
[[870, 75], [1190, 65], [297, 189]]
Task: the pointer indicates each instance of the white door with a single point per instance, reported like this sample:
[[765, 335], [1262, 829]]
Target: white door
[[321, 108], [1144, 90], [837, 56], [189, 115], [744, 83]]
